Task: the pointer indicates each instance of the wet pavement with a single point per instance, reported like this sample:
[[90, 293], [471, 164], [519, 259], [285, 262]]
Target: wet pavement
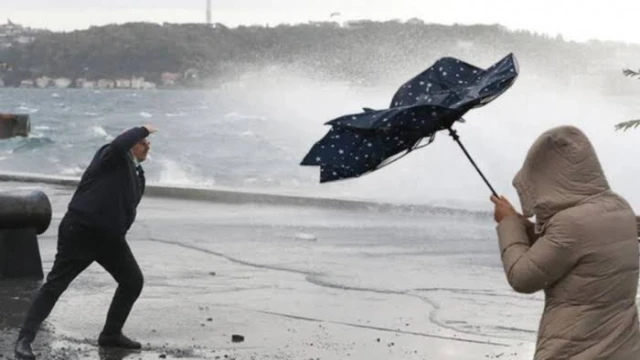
[[295, 282]]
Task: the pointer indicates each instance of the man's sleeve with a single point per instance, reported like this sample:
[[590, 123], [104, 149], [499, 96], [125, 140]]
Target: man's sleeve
[[123, 143]]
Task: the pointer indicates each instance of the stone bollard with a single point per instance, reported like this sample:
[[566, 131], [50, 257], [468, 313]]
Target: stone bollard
[[12, 125], [22, 218]]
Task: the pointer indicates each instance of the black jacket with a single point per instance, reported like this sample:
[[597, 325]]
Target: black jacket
[[111, 188]]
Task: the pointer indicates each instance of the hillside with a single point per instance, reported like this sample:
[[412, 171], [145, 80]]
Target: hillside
[[362, 51]]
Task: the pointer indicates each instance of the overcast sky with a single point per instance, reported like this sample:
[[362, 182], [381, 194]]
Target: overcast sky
[[574, 19]]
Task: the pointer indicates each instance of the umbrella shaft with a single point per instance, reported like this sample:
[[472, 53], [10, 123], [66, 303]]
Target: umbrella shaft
[[455, 137]]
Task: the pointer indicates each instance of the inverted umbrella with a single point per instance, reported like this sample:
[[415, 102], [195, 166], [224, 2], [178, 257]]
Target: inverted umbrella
[[432, 101]]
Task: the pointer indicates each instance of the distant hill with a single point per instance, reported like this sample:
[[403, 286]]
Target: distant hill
[[358, 51]]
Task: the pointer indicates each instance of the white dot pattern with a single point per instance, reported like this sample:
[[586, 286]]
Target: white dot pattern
[[431, 101]]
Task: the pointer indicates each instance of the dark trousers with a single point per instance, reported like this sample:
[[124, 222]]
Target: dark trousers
[[78, 247]]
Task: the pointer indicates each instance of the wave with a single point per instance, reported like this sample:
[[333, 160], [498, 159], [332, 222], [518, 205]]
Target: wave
[[238, 116], [31, 144], [100, 132], [75, 171], [27, 109], [181, 174], [178, 114]]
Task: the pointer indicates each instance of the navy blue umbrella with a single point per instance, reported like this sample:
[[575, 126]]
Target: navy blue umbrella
[[432, 101]]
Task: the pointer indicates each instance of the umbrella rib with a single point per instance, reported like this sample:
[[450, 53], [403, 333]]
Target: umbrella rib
[[415, 147], [394, 160]]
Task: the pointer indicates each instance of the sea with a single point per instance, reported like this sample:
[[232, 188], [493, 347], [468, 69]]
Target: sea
[[252, 134]]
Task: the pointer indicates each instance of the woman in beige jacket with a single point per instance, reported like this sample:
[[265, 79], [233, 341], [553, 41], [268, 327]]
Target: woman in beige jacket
[[582, 250]]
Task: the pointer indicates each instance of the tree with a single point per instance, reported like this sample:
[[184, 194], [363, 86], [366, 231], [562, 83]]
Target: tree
[[626, 125]]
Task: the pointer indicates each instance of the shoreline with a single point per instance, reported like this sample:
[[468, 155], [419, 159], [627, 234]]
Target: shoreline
[[230, 195], [365, 286]]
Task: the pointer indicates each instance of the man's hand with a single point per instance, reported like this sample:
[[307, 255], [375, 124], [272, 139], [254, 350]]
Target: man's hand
[[503, 208], [150, 128]]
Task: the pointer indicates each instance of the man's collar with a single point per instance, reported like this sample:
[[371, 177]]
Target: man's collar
[[136, 163]]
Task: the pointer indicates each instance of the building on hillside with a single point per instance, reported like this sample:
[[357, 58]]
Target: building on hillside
[[123, 83], [24, 39], [26, 83], [170, 79], [148, 85], [11, 34], [82, 83], [62, 82], [136, 82], [43, 82], [106, 84]]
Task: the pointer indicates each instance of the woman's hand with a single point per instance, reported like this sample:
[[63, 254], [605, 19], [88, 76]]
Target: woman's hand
[[503, 208]]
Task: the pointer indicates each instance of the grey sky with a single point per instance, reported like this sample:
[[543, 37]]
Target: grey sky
[[574, 19]]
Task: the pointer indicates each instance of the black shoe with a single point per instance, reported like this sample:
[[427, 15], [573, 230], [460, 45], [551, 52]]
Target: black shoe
[[118, 341], [23, 349]]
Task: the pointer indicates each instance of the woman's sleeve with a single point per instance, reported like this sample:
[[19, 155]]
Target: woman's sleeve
[[533, 267]]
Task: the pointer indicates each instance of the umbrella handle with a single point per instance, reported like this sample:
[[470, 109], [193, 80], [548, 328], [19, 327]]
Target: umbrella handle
[[456, 137]]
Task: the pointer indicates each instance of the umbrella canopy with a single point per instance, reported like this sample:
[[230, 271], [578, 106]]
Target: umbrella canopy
[[433, 100]]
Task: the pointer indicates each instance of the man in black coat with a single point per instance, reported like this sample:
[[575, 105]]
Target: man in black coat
[[99, 215]]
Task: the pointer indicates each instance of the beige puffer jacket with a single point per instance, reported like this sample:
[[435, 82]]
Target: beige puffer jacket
[[582, 251]]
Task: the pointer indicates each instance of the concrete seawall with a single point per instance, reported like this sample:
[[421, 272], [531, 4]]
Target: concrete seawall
[[239, 196]]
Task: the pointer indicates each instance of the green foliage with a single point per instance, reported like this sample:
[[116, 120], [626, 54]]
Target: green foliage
[[626, 125], [631, 73]]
